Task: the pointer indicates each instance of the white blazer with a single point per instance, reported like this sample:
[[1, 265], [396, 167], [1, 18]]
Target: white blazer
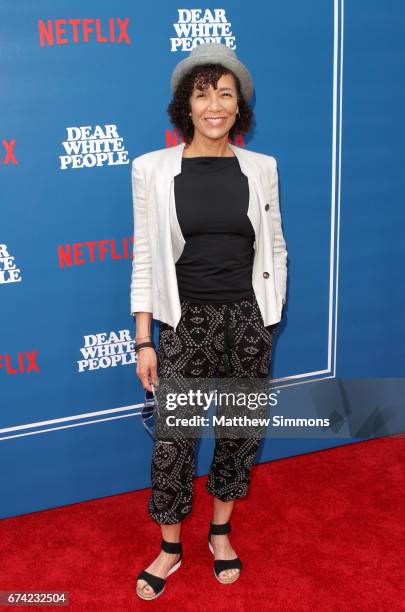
[[159, 242]]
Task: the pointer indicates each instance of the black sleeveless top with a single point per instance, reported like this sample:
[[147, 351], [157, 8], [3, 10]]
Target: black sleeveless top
[[212, 199]]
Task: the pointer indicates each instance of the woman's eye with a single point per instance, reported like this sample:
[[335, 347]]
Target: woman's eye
[[201, 94]]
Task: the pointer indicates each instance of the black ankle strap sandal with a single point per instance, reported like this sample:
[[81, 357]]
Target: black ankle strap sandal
[[223, 564], [157, 583]]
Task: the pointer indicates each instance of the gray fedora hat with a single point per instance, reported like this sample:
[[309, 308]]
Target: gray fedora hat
[[216, 53]]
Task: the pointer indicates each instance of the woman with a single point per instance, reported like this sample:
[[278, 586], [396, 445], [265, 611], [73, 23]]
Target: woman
[[210, 265]]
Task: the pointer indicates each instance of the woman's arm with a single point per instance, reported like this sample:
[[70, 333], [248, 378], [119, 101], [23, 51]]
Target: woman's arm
[[141, 281], [147, 359]]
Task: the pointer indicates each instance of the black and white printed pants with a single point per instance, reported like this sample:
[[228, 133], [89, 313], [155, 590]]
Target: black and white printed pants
[[211, 340]]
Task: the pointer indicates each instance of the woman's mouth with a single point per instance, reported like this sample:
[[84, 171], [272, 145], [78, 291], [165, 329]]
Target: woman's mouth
[[215, 120]]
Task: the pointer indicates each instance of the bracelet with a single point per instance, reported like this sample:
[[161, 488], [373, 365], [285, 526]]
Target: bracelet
[[143, 348], [142, 337], [144, 345]]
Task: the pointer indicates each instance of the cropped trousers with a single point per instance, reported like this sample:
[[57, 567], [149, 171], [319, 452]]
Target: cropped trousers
[[211, 340]]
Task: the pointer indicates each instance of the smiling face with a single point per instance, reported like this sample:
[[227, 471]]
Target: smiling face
[[213, 111]]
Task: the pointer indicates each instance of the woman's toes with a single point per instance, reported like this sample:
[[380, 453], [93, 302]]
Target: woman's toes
[[144, 587], [228, 574]]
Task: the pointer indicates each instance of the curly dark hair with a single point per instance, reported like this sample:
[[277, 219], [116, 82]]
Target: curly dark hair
[[200, 76]]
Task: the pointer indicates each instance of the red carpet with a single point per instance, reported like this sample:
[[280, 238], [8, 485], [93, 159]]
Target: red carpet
[[322, 531]]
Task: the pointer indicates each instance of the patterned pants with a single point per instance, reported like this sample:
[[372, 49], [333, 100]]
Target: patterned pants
[[211, 340]]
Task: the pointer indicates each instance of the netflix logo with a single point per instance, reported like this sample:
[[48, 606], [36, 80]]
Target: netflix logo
[[8, 156], [22, 363], [80, 253], [68, 31]]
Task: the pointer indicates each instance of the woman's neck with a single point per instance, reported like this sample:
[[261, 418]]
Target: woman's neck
[[193, 151]]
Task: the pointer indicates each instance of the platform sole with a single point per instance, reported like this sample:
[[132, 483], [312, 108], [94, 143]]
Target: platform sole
[[171, 571], [221, 580]]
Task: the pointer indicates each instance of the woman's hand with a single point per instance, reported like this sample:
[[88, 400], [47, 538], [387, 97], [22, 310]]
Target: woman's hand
[[146, 369]]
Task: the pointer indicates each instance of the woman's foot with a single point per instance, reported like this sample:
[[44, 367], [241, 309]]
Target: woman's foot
[[159, 567], [223, 550]]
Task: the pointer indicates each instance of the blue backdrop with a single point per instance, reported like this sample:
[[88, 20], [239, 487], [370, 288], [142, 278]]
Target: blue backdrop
[[85, 89]]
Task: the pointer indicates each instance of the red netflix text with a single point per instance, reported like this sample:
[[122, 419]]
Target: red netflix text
[[67, 31], [80, 253], [22, 363], [9, 153]]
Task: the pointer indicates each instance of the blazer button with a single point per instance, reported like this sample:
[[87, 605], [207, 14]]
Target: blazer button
[[266, 274], [267, 207]]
